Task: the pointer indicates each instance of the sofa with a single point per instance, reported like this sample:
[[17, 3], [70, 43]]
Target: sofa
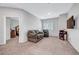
[[35, 35]]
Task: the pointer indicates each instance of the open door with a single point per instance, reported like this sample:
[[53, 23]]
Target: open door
[[12, 29]]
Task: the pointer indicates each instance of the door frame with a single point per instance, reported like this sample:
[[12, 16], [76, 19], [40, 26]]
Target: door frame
[[5, 38]]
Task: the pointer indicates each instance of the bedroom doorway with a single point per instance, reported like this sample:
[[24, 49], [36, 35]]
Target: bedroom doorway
[[12, 29]]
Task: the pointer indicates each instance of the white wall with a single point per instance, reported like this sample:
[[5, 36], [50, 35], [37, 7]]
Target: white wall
[[26, 20], [59, 23], [33, 22], [74, 33], [77, 22], [62, 22], [7, 29], [52, 26], [73, 38], [14, 23], [1, 30], [75, 12]]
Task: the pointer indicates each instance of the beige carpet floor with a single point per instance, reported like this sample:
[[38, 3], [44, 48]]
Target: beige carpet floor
[[47, 46]]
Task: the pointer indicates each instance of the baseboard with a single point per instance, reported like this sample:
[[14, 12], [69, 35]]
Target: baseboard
[[23, 41], [2, 43], [70, 42]]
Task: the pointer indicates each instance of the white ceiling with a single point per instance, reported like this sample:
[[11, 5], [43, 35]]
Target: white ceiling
[[42, 10]]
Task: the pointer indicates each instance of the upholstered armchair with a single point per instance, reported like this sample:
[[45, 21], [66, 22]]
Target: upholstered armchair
[[35, 35]]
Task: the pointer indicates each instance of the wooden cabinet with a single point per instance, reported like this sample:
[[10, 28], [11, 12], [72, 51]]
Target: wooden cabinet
[[63, 35], [13, 33]]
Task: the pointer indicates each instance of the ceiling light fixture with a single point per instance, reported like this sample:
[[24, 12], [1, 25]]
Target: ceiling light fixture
[[49, 13]]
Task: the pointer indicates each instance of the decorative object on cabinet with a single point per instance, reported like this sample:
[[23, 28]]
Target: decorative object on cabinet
[[71, 23]]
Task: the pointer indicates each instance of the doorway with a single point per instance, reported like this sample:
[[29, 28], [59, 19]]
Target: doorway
[[12, 29]]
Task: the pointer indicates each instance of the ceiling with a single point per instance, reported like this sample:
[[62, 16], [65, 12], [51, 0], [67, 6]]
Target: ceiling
[[42, 10]]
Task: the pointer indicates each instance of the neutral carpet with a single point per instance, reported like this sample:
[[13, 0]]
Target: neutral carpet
[[46, 46]]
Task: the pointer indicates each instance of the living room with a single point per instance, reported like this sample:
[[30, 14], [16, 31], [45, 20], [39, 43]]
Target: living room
[[40, 25]]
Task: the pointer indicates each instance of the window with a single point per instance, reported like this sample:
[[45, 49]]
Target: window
[[47, 24]]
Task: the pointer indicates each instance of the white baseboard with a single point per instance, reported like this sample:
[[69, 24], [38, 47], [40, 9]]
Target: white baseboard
[[22, 41], [2, 43], [73, 45]]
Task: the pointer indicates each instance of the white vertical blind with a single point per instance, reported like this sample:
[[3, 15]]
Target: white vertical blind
[[51, 25], [47, 24]]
